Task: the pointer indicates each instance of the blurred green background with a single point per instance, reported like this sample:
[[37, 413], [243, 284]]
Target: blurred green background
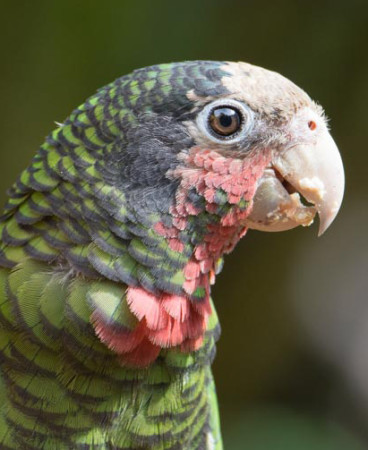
[[292, 364]]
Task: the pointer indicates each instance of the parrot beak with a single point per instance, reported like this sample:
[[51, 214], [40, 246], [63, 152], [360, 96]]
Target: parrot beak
[[315, 171]]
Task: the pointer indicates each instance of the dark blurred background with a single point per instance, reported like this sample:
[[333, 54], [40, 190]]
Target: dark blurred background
[[292, 364]]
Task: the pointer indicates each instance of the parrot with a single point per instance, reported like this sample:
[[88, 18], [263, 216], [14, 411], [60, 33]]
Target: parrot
[[111, 239]]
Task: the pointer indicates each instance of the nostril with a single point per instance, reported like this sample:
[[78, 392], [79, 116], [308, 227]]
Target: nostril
[[312, 125]]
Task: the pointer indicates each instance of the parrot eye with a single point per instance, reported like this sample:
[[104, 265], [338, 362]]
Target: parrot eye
[[225, 121]]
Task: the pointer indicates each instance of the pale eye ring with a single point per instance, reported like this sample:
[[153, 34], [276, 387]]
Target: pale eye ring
[[225, 121]]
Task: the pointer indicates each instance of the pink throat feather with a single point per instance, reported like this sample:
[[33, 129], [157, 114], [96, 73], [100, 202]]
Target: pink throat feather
[[171, 320]]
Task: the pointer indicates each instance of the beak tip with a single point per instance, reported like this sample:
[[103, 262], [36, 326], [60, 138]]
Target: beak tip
[[322, 228], [327, 217]]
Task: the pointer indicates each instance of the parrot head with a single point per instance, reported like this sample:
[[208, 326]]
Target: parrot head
[[233, 140]]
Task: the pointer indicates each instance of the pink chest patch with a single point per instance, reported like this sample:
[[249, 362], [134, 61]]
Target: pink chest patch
[[163, 322]]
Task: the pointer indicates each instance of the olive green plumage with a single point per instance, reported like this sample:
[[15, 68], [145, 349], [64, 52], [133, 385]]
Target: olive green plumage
[[61, 378], [71, 243]]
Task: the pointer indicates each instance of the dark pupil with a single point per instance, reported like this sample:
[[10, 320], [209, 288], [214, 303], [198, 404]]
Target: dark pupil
[[225, 121]]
